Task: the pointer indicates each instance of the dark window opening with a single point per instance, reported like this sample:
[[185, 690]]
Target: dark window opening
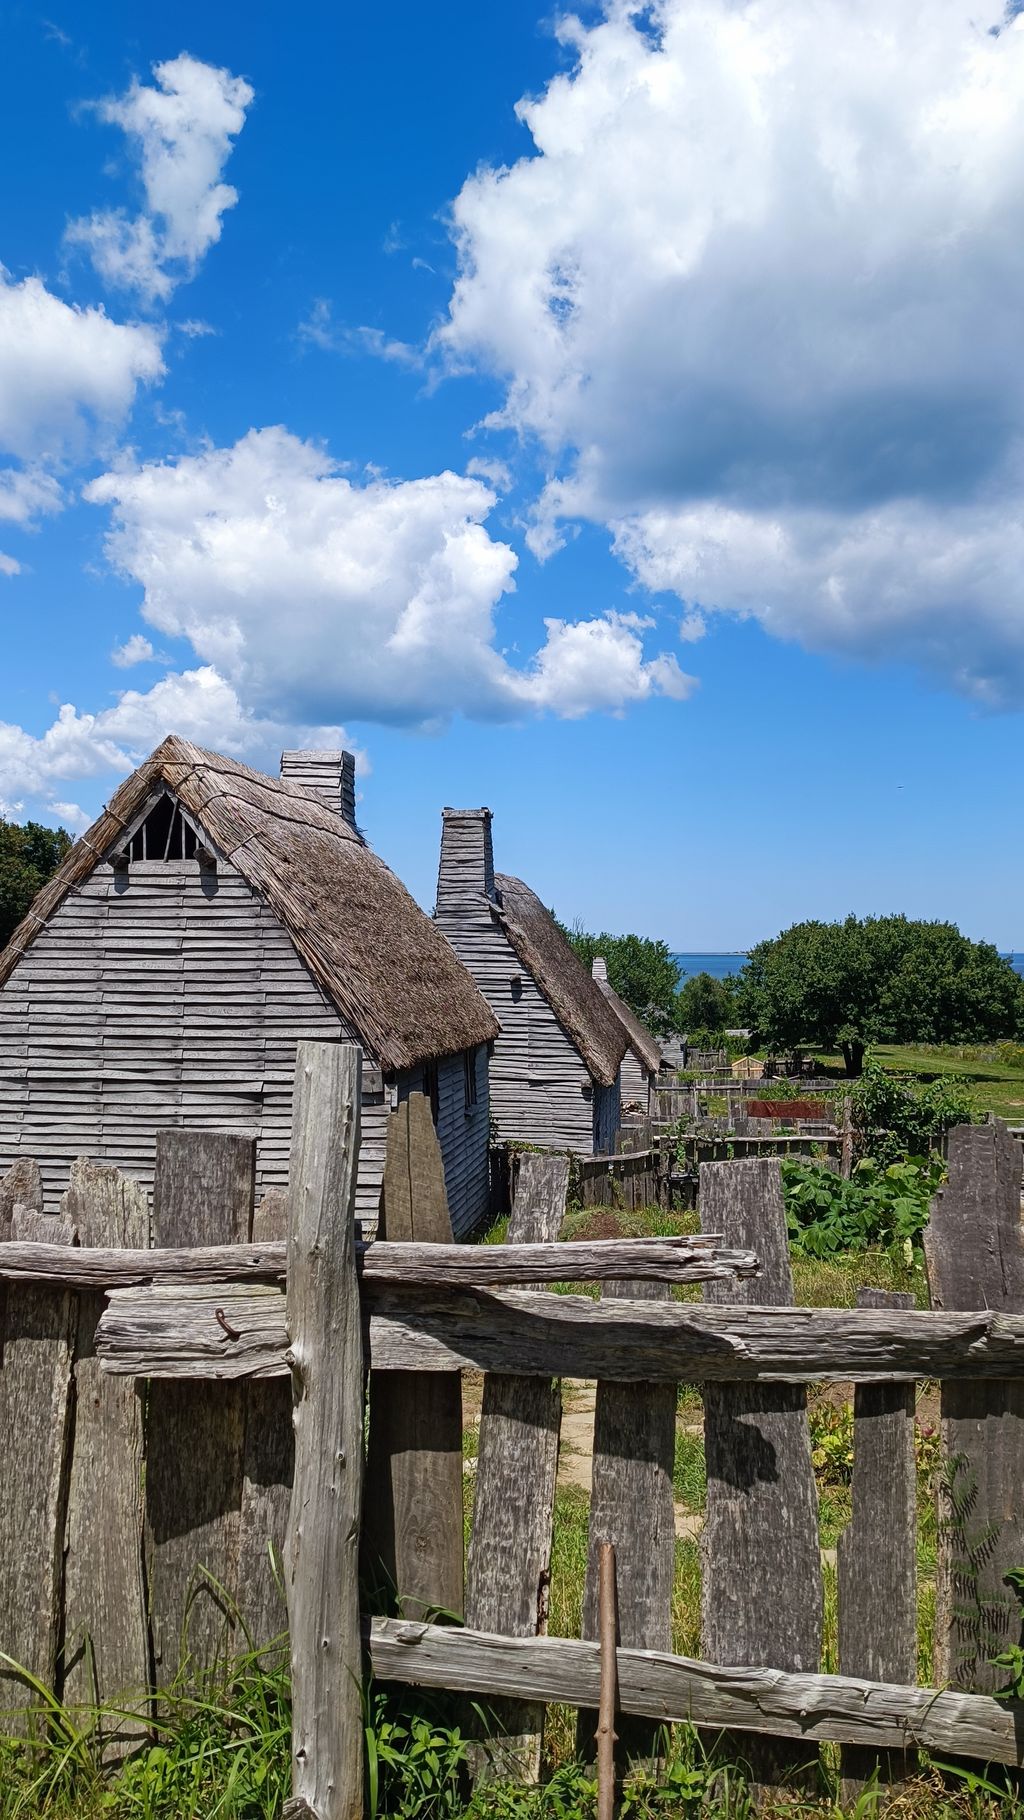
[[469, 1072], [165, 834]]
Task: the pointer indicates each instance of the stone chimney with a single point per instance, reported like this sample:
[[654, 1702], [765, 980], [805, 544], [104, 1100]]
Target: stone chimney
[[466, 872], [600, 968], [330, 775]]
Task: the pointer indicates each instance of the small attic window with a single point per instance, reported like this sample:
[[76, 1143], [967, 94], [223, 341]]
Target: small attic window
[[165, 834]]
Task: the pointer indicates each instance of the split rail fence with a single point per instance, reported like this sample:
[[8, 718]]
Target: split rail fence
[[149, 1466]]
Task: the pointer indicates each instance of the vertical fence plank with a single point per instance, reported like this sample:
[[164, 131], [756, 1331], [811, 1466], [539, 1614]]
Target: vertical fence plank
[[517, 1465], [202, 1195], [267, 1472], [414, 1542], [975, 1258], [761, 1602], [106, 1639], [326, 1356], [631, 1506], [878, 1553], [35, 1414]]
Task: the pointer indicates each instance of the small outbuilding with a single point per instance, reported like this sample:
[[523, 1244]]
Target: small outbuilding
[[210, 919], [555, 1065], [642, 1061]]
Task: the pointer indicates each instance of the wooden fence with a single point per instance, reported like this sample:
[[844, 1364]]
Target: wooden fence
[[186, 1358]]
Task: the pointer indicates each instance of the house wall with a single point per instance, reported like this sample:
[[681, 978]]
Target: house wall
[[607, 1118], [634, 1080], [163, 997]]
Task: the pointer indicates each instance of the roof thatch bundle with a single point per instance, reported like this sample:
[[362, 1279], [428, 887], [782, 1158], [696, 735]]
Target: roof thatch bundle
[[385, 965], [645, 1047], [575, 998]]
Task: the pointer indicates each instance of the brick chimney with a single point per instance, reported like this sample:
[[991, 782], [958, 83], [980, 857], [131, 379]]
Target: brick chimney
[[330, 775], [466, 872]]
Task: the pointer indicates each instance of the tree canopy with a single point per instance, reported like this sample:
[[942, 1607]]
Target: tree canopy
[[29, 855], [640, 969], [706, 1004], [878, 979]]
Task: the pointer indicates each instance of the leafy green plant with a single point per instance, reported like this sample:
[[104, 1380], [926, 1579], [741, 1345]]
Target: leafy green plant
[[878, 1207], [895, 1116], [832, 1442]]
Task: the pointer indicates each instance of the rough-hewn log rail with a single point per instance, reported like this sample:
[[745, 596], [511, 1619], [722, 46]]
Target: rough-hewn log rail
[[694, 1259], [813, 1708], [227, 1330]]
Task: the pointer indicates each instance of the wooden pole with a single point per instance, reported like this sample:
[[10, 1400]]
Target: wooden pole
[[607, 1702], [326, 1358]]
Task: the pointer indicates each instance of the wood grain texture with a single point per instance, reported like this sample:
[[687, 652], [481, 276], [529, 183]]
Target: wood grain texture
[[267, 1472], [811, 1709], [761, 1589], [326, 1357], [161, 1330], [196, 1431], [106, 1632], [414, 1521], [509, 1559], [35, 1416], [673, 1260], [877, 1562], [974, 1252]]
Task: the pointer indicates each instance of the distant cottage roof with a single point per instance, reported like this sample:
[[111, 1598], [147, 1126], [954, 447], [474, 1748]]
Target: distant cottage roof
[[576, 999], [385, 965], [644, 1046]]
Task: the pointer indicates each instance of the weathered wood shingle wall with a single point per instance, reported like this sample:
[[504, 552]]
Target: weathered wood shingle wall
[[162, 997], [541, 1091]]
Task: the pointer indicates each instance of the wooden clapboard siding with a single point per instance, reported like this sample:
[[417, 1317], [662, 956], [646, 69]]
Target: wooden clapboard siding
[[164, 998], [540, 1089], [634, 1080], [463, 1130]]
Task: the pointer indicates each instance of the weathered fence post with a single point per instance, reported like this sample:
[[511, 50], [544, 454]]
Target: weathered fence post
[[877, 1555], [326, 1357], [106, 1647], [203, 1192], [517, 1465], [267, 1470], [35, 1412], [761, 1602], [413, 1534], [975, 1258]]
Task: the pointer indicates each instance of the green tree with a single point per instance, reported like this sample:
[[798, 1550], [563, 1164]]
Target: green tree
[[878, 979], [29, 855], [705, 1003], [640, 969]]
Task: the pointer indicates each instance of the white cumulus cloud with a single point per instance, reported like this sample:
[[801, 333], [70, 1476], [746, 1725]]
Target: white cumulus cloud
[[136, 650], [316, 596], [182, 131], [756, 295]]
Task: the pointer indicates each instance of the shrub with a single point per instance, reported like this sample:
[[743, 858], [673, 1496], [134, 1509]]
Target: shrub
[[896, 1116], [877, 1207]]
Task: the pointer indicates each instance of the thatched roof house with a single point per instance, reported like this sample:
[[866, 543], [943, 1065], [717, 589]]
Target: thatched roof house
[[208, 920], [555, 1066], [642, 1060]]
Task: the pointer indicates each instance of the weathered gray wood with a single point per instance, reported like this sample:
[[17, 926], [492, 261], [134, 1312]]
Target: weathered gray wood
[[162, 1330], [326, 1357], [877, 1557], [35, 1411], [975, 1253], [414, 1521], [632, 1507], [761, 1585], [106, 1634], [196, 1432], [675, 1260], [508, 1564], [810, 1708], [268, 1469]]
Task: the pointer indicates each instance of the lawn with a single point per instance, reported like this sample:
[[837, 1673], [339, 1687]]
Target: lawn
[[997, 1083]]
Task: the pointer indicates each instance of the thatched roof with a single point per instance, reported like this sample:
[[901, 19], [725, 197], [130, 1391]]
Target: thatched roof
[[576, 999], [385, 965], [645, 1047]]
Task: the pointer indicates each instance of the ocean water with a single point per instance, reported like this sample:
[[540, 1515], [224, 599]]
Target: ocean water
[[721, 965]]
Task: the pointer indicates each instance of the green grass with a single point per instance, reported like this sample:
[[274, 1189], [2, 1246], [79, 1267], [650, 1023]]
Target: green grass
[[997, 1084]]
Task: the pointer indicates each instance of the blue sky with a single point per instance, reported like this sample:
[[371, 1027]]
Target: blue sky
[[642, 460]]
